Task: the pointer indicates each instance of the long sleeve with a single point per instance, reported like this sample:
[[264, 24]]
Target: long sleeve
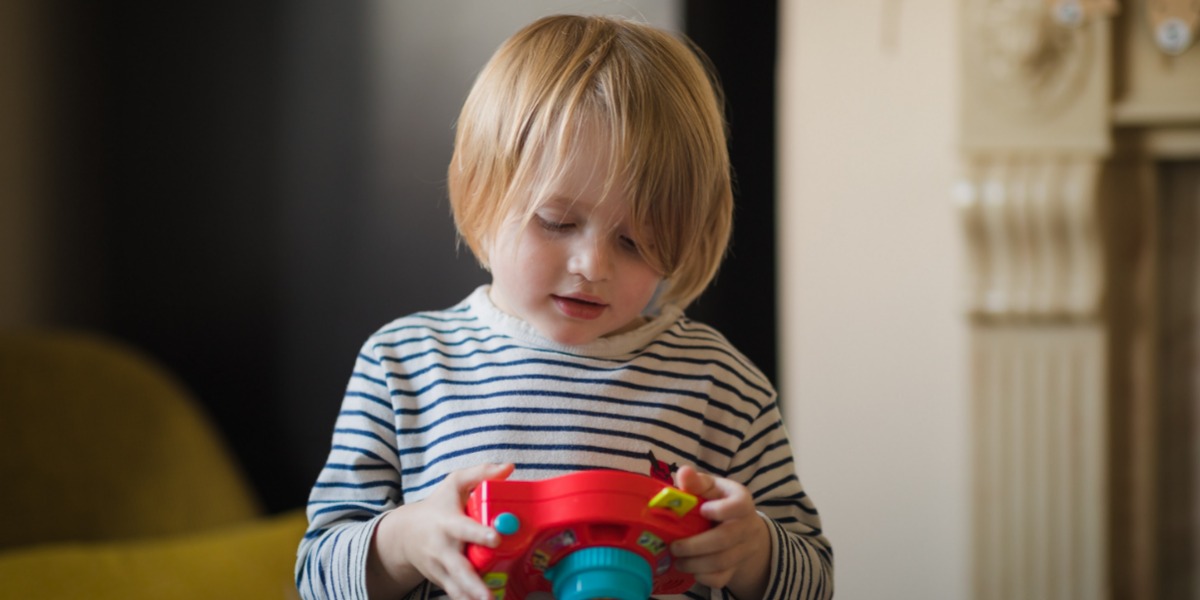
[[359, 482], [801, 556]]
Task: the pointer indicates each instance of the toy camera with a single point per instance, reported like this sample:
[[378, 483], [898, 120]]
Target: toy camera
[[594, 534]]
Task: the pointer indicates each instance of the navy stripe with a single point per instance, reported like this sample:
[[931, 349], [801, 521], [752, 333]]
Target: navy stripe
[[430, 338], [704, 362], [369, 398], [365, 377], [784, 500], [368, 434], [723, 346], [573, 429], [597, 450], [782, 443], [750, 441], [574, 380], [420, 327], [766, 490], [574, 396], [561, 363], [366, 485], [658, 423], [352, 507], [362, 451], [787, 460], [443, 353], [368, 416], [341, 467], [379, 502], [524, 467]]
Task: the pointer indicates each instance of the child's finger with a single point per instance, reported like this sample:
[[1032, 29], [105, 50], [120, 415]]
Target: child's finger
[[463, 579], [692, 481], [700, 544], [471, 531], [727, 500], [465, 480]]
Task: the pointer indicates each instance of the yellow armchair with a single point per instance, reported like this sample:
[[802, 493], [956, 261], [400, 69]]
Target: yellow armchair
[[117, 486]]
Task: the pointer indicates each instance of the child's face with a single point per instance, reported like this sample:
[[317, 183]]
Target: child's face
[[574, 271]]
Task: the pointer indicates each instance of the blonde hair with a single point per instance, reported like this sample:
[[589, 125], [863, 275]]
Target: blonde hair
[[657, 103]]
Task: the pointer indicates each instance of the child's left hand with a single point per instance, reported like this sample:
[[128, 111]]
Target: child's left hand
[[735, 553]]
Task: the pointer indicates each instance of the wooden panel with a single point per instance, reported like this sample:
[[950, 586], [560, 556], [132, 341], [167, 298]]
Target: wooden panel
[[1040, 414], [1178, 428], [1153, 88]]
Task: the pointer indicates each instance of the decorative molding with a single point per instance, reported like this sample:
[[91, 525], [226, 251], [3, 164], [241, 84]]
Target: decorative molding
[[1154, 89], [1036, 132], [1174, 24], [1027, 61], [1065, 381], [1031, 83], [1033, 236], [1041, 503]]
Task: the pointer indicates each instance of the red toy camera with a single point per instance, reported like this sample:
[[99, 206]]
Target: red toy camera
[[594, 534]]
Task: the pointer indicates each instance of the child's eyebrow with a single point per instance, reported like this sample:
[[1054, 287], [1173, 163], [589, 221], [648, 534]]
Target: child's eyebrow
[[559, 202]]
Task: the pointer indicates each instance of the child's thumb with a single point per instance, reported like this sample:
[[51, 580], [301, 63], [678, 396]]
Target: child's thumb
[[688, 479]]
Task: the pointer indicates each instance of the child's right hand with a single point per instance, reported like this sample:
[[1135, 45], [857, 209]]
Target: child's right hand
[[424, 540]]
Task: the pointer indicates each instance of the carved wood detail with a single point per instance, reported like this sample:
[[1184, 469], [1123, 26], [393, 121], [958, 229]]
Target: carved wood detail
[[1035, 140], [1033, 235]]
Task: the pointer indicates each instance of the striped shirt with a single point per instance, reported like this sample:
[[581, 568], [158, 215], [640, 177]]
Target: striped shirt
[[435, 392]]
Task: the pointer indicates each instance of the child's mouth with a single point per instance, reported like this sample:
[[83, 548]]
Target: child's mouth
[[579, 308]]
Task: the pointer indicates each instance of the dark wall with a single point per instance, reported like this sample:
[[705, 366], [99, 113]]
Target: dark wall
[[166, 192], [740, 39], [231, 197]]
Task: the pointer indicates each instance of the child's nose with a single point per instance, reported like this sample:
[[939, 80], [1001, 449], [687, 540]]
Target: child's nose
[[592, 259]]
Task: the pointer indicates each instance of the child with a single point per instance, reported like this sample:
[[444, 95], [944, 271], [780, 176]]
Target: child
[[590, 176]]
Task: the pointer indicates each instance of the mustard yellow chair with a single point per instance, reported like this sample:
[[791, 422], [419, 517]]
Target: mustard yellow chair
[[115, 485]]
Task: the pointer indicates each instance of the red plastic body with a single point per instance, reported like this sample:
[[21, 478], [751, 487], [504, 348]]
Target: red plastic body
[[568, 513]]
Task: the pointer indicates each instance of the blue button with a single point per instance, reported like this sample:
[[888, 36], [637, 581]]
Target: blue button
[[506, 523]]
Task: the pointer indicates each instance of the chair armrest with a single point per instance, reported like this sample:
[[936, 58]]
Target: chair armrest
[[251, 560]]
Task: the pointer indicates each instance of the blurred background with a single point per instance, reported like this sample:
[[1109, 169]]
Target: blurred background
[[246, 191]]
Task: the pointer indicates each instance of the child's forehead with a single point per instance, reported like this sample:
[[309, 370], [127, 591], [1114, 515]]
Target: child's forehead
[[615, 207], [578, 172], [583, 172]]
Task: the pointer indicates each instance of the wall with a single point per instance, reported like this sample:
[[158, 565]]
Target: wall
[[874, 352], [20, 144]]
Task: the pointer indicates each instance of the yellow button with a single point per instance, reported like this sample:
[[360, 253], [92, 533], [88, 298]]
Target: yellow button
[[677, 500], [496, 581]]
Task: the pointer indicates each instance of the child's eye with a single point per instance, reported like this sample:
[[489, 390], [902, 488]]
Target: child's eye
[[553, 224], [628, 243]]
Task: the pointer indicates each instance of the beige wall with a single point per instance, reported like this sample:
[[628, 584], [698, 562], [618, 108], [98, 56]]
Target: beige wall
[[874, 338]]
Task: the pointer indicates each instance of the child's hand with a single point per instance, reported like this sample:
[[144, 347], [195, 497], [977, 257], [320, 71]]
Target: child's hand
[[425, 540], [737, 550]]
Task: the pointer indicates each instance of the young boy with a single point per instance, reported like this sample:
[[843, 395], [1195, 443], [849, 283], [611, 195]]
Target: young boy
[[590, 176]]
